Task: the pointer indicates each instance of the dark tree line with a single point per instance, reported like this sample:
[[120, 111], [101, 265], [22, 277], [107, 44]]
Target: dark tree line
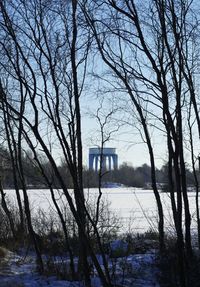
[[140, 177], [126, 174]]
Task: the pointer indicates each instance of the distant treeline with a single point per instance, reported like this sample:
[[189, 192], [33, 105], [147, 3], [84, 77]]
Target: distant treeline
[[133, 176], [126, 174]]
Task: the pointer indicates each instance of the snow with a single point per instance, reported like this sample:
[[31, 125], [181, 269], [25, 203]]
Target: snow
[[138, 270], [135, 207], [20, 271]]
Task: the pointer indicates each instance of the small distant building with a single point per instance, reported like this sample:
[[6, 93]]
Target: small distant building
[[108, 155]]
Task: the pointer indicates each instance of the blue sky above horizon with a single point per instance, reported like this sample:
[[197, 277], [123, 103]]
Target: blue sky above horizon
[[127, 141]]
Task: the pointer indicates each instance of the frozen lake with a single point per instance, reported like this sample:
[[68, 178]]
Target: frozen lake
[[135, 207]]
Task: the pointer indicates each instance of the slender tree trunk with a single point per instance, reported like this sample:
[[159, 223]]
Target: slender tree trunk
[[68, 247], [184, 188], [78, 186], [26, 200], [13, 155], [156, 192], [175, 181], [7, 211], [193, 102]]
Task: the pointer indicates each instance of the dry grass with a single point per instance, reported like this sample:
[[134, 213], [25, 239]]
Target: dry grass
[[3, 252]]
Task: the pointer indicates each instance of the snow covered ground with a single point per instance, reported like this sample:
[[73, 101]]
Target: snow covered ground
[[138, 270], [134, 206]]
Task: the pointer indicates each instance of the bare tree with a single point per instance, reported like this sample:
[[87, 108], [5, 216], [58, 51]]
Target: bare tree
[[47, 58], [115, 59], [148, 49]]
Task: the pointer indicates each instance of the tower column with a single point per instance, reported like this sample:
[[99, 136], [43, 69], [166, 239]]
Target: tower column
[[107, 158], [109, 162], [115, 161], [96, 162], [91, 161], [104, 162]]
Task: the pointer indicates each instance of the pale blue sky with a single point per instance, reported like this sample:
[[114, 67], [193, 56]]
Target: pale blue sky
[[127, 141]]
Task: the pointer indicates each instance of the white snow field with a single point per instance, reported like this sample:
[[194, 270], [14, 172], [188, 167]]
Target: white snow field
[[135, 207], [137, 211]]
